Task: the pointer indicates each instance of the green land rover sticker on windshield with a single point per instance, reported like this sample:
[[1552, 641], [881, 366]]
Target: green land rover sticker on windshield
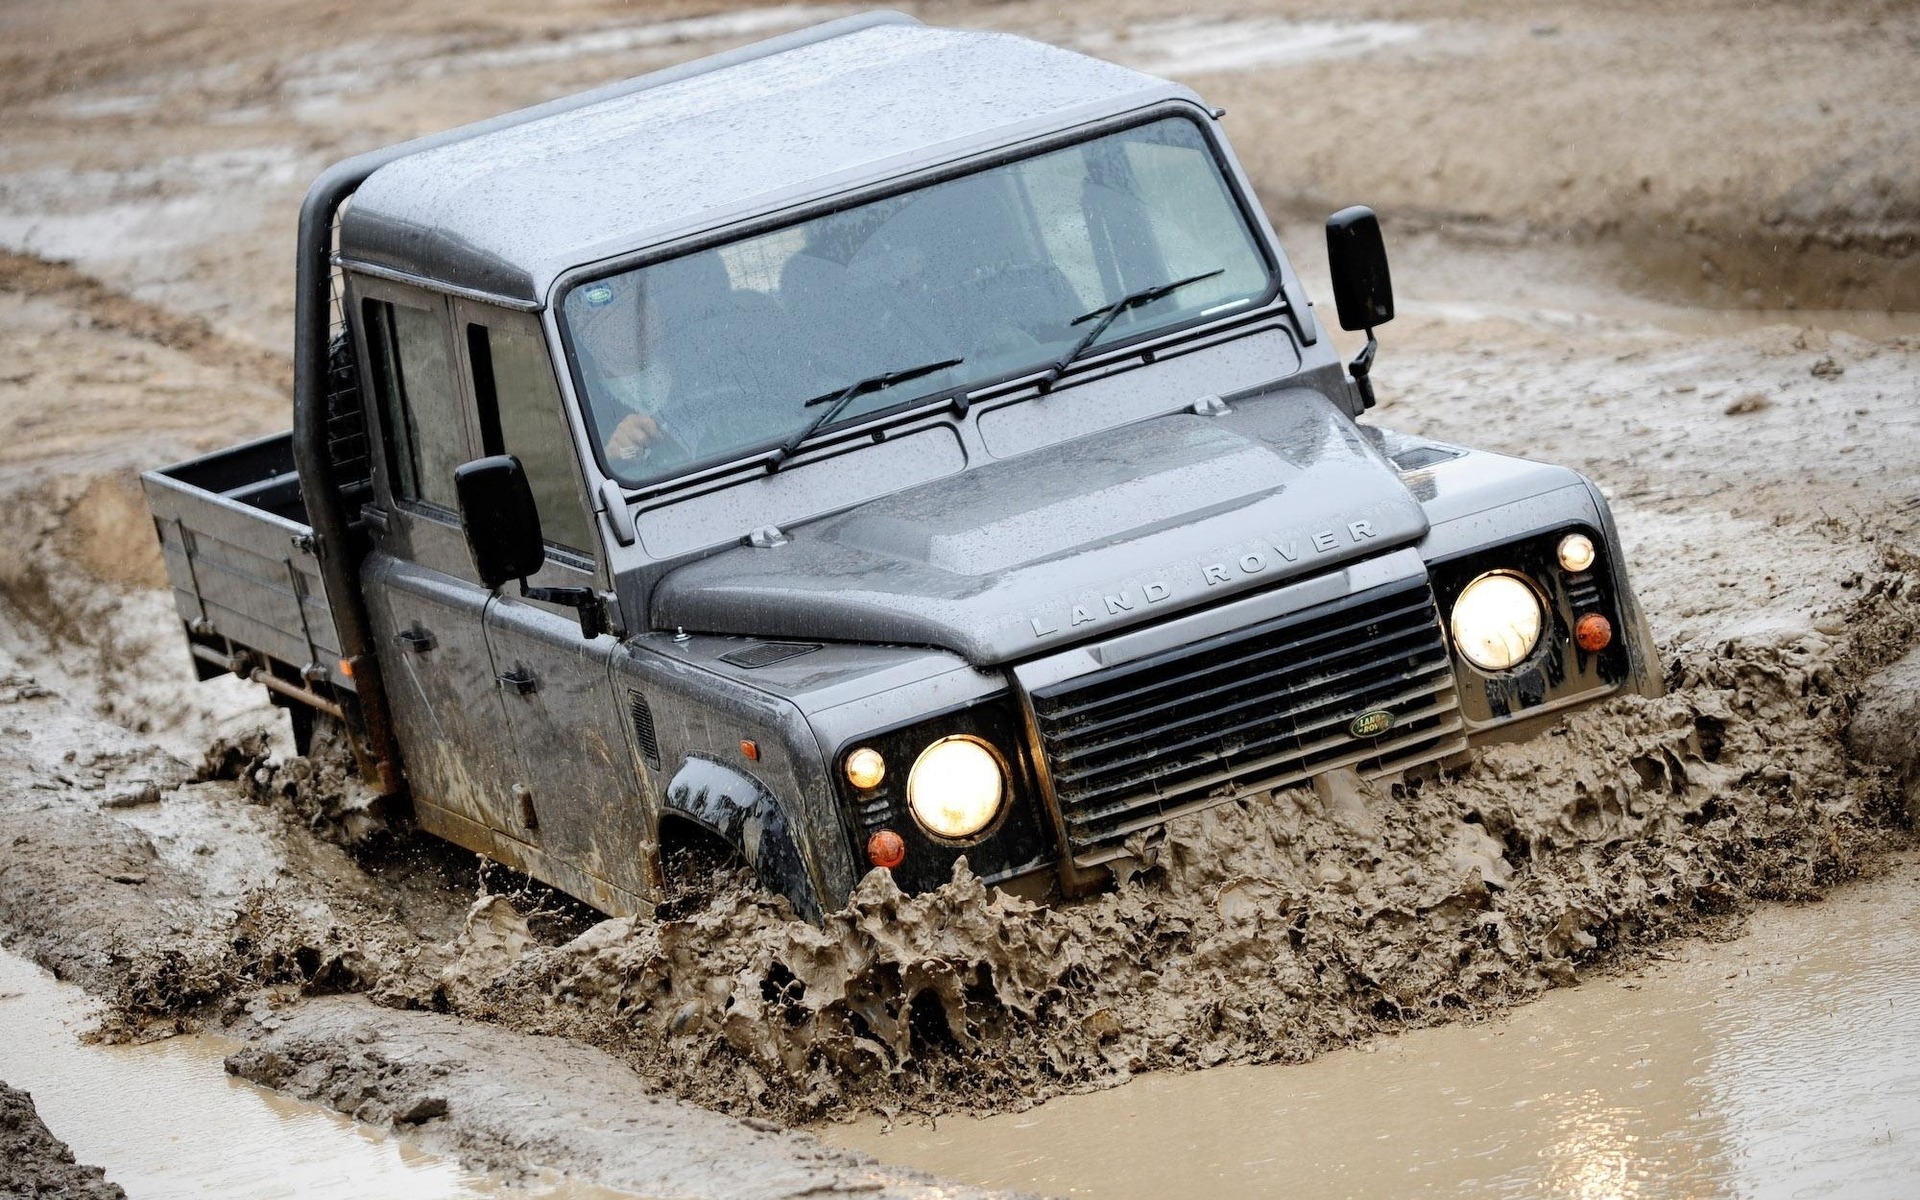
[[1371, 724], [598, 296]]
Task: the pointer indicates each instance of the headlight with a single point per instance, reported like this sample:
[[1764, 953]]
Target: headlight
[[866, 768], [1576, 552], [1496, 621], [957, 787]]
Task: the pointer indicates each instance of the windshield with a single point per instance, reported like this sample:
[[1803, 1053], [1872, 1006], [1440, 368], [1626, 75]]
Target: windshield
[[714, 355]]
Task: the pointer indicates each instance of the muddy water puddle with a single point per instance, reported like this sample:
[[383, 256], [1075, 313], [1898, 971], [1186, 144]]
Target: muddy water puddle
[[1785, 1063], [165, 1120]]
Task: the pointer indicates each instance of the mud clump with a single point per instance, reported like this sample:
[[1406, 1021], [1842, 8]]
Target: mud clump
[[320, 789], [33, 1162], [1267, 929], [1886, 728], [95, 904]]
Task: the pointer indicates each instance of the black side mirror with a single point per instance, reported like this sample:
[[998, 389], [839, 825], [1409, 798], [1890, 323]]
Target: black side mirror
[[499, 518], [502, 525], [1362, 288], [1357, 257]]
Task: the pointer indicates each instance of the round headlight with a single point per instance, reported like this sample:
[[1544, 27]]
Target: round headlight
[[1496, 621], [956, 787], [1576, 552], [866, 768]]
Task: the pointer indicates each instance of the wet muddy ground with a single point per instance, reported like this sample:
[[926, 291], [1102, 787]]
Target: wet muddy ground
[[37, 1163], [144, 1114], [1658, 242]]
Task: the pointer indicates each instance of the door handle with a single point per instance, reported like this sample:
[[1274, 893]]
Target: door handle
[[519, 681], [417, 639]]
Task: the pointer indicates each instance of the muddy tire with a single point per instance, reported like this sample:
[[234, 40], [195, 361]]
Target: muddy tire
[[696, 866]]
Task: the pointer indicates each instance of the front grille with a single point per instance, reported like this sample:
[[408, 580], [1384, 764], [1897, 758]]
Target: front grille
[[1247, 712]]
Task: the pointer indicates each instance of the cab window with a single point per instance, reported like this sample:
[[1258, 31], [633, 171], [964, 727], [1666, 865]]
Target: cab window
[[419, 405], [518, 405]]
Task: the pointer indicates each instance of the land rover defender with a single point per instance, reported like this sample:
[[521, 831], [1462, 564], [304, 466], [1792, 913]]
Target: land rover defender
[[872, 447]]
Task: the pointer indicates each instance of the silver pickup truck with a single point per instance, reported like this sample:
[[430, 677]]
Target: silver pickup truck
[[860, 450]]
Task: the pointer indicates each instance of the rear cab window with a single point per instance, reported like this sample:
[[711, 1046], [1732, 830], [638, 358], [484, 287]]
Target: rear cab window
[[419, 402]]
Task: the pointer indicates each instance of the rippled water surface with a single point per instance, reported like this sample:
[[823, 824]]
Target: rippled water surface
[[1784, 1064]]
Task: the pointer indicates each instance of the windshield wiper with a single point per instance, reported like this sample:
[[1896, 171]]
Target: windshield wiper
[[1108, 314], [836, 402]]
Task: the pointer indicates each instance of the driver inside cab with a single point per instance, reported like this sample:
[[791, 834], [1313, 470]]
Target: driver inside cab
[[623, 345]]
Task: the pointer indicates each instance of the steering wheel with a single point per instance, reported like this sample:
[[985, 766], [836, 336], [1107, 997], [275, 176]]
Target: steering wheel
[[1027, 289]]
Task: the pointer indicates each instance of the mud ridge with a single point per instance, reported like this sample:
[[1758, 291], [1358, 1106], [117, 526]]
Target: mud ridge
[[33, 1162], [107, 308], [1267, 930], [499, 1100]]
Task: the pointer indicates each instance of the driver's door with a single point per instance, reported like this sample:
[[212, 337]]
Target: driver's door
[[579, 786], [424, 601]]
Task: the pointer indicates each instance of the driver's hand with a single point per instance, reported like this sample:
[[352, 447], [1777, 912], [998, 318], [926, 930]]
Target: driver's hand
[[632, 437]]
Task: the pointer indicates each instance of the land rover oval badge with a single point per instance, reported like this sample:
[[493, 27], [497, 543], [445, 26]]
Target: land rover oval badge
[[1371, 724]]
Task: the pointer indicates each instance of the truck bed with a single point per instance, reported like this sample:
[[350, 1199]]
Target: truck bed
[[239, 553]]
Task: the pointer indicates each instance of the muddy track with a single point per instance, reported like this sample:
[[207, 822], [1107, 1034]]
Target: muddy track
[[64, 284], [1532, 167]]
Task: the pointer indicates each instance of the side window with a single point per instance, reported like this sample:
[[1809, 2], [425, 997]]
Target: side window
[[519, 411], [418, 404]]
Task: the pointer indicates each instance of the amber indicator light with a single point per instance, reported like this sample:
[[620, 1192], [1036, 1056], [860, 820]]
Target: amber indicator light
[[1593, 632], [885, 849], [750, 748]]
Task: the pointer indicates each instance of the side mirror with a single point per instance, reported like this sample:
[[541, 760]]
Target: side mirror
[[499, 518], [502, 524], [1362, 288]]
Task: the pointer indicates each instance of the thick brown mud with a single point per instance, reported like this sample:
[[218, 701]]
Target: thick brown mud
[[497, 1099], [33, 1162]]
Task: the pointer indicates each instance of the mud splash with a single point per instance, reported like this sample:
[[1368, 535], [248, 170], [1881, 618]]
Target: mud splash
[[1784, 1063], [1267, 931]]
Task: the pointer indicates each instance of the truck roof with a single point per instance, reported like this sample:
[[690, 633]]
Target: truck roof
[[505, 212]]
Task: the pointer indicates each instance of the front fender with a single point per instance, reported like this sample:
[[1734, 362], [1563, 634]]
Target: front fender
[[739, 809]]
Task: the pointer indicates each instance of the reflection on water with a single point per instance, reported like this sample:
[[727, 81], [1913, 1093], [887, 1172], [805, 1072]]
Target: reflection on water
[[165, 1120], [1825, 1069], [1784, 1064]]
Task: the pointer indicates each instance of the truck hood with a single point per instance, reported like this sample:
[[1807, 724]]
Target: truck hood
[[1080, 539]]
